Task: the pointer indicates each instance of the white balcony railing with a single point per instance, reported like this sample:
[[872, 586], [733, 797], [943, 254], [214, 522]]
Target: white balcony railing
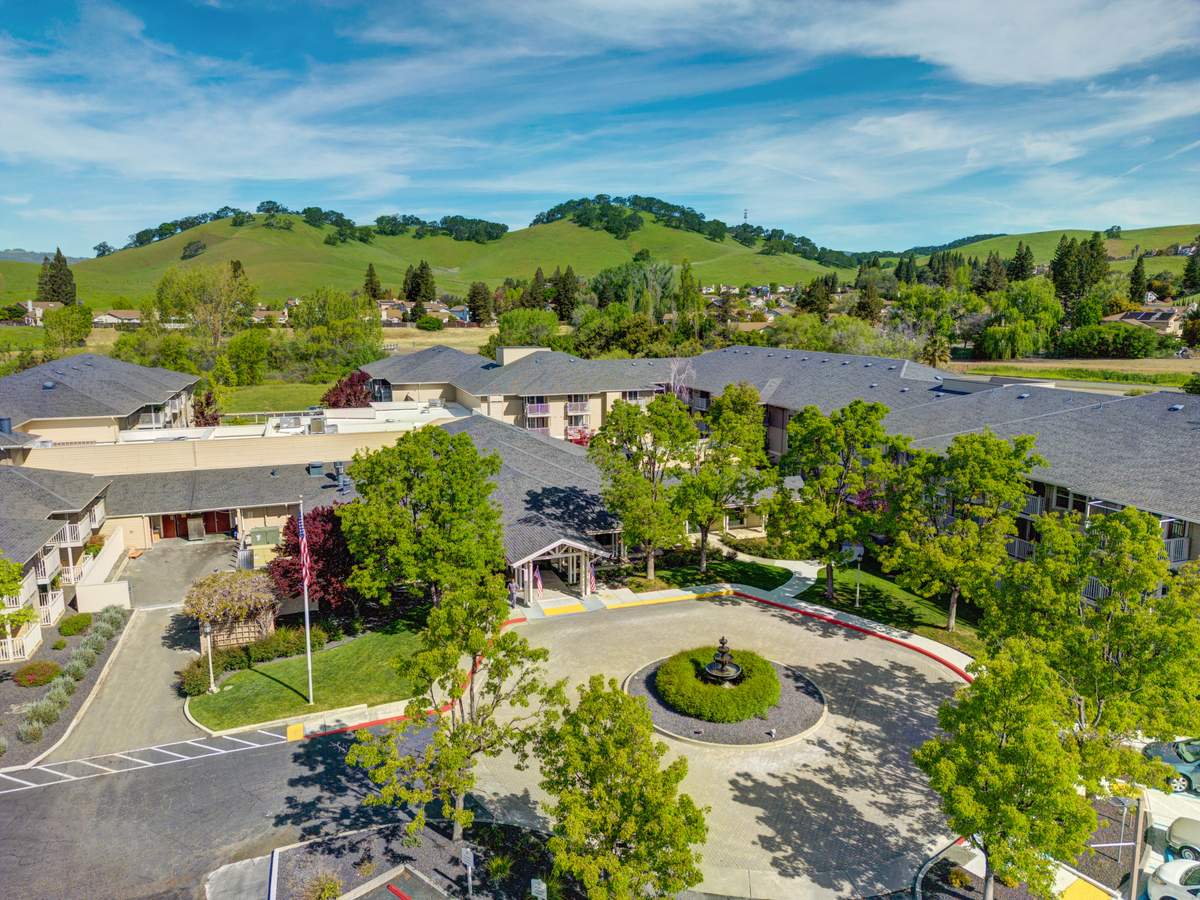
[[1178, 549], [1094, 590], [73, 534], [98, 514], [1019, 548], [51, 606], [46, 567], [28, 589], [21, 645], [542, 431], [577, 408], [1035, 505], [76, 573], [537, 409]]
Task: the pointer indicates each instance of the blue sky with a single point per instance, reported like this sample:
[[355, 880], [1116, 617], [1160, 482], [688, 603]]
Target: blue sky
[[861, 124]]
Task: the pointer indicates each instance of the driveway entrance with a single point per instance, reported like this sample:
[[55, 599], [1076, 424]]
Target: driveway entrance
[[162, 575]]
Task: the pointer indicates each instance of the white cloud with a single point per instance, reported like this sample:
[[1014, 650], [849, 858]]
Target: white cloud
[[16, 199]]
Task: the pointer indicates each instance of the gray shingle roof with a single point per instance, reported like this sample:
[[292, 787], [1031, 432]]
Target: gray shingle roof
[[22, 538], [29, 497], [201, 490], [547, 489], [86, 385]]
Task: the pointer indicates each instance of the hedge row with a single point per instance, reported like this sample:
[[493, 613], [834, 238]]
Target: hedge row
[[46, 711], [680, 683], [285, 641]]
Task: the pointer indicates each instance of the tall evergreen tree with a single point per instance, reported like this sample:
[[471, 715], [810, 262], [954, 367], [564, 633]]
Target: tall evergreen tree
[[371, 286], [1020, 267], [1137, 281], [993, 275], [534, 296], [566, 294], [1065, 269], [423, 283], [1191, 274], [1093, 261], [479, 302], [409, 284], [55, 281]]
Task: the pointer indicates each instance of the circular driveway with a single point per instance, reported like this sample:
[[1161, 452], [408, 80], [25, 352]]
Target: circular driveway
[[842, 812]]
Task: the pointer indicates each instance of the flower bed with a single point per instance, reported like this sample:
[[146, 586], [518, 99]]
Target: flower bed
[[680, 683]]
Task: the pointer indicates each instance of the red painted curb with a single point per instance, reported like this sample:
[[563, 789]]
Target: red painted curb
[[957, 670]]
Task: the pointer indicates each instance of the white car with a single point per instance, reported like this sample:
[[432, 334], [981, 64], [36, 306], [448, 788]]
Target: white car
[[1177, 880]]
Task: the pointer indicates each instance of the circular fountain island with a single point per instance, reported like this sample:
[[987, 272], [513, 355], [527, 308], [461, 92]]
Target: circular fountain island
[[711, 695]]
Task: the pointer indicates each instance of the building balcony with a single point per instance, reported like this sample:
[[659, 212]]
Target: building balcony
[[76, 573], [1178, 549], [51, 606], [1019, 548], [28, 590], [1035, 505], [1094, 590], [545, 432], [73, 534], [537, 409], [578, 408], [47, 566], [98, 514], [21, 645]]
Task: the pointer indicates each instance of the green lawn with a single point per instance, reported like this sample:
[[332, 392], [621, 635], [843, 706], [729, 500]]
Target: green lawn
[[1069, 373], [274, 396], [884, 601], [20, 337], [361, 671], [683, 570]]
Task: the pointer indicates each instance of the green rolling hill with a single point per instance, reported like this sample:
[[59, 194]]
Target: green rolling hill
[[1044, 243], [292, 263]]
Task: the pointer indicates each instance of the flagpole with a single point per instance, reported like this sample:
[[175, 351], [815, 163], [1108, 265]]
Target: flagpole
[[307, 633]]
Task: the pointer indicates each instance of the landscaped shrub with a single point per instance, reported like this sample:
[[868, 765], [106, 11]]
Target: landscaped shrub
[[76, 669], [65, 682], [57, 695], [679, 683], [959, 878], [115, 615], [36, 673], [3, 745], [30, 732], [499, 866], [286, 641], [76, 624], [103, 629], [44, 711], [60, 644], [94, 642], [85, 656]]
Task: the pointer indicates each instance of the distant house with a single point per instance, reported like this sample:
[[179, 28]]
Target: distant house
[[1151, 297], [1167, 320], [115, 317], [461, 312], [264, 316], [36, 309]]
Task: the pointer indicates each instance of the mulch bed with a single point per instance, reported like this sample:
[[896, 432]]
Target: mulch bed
[[936, 886], [356, 859], [15, 699], [800, 707]]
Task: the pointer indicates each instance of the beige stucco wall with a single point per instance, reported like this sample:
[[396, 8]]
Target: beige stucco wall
[[265, 516], [467, 399], [101, 429], [445, 392], [176, 456], [134, 529]]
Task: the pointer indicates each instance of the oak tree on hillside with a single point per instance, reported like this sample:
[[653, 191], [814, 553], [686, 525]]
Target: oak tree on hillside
[[621, 826], [1006, 777]]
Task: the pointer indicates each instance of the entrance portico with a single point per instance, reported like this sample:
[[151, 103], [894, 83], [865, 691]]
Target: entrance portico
[[571, 560]]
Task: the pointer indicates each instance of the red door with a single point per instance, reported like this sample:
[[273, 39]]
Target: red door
[[168, 526], [216, 522]]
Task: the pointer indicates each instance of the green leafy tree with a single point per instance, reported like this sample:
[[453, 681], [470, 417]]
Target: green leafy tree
[[621, 826], [566, 294], [639, 452], [371, 286], [247, 354], [104, 248], [56, 283], [215, 299], [424, 515], [1191, 274], [1137, 282], [493, 688], [935, 351], [729, 467], [846, 460], [1007, 780], [1127, 656], [689, 301], [66, 327], [523, 328], [479, 302], [958, 515]]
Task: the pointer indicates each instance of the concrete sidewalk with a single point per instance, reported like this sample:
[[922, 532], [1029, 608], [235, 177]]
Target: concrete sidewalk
[[137, 705]]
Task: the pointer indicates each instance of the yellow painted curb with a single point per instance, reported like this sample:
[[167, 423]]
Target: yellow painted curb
[[295, 731], [564, 610], [1081, 890], [655, 600]]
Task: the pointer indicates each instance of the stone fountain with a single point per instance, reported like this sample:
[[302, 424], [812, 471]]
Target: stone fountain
[[722, 670]]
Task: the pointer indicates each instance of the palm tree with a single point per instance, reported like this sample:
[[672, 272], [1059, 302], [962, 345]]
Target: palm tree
[[936, 352]]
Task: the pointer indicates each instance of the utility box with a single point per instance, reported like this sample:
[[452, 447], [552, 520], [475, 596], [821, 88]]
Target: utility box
[[267, 536]]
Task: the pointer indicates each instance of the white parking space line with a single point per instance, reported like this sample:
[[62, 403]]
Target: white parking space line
[[50, 771], [12, 783]]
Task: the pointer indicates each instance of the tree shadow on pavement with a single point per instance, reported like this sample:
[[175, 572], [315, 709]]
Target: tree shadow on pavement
[[861, 820], [181, 633]]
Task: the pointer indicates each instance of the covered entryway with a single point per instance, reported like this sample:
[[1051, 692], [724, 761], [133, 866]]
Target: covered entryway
[[194, 526], [565, 568]]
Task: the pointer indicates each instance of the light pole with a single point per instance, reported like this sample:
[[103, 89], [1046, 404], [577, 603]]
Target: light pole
[[212, 682]]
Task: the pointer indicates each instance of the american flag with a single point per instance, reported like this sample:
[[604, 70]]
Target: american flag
[[305, 561], [591, 578], [537, 580]]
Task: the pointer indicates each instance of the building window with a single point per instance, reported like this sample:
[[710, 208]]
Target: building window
[[1062, 498]]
